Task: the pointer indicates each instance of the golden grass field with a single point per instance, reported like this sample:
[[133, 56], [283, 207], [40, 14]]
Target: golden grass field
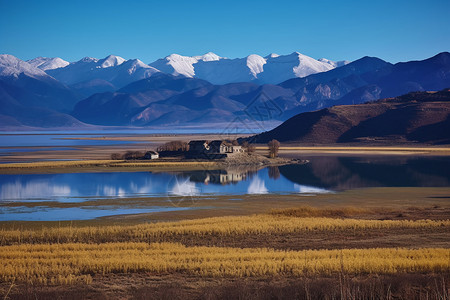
[[218, 226], [69, 255], [75, 262], [282, 243]]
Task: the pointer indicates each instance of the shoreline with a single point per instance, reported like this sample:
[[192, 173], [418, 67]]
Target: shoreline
[[287, 155], [171, 164]]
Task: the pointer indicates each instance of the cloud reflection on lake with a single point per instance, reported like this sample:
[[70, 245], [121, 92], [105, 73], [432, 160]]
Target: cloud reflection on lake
[[257, 186], [184, 187]]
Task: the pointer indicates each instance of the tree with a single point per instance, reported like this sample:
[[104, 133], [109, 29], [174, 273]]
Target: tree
[[174, 146], [249, 147], [274, 145]]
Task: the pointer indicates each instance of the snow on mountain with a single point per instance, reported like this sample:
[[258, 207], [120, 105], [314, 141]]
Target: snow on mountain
[[12, 66], [176, 64], [88, 59], [283, 67], [230, 70], [23, 86], [210, 56], [279, 68], [335, 64], [271, 55], [48, 63], [113, 69], [271, 69], [110, 61], [256, 64], [130, 71]]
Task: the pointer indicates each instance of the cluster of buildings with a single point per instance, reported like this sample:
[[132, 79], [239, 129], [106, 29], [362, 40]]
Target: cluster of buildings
[[204, 149], [213, 149]]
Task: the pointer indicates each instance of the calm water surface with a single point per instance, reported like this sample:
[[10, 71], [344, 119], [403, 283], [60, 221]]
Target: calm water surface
[[321, 175], [60, 138]]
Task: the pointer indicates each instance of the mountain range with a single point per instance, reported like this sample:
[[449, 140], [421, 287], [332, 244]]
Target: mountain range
[[199, 90], [272, 69]]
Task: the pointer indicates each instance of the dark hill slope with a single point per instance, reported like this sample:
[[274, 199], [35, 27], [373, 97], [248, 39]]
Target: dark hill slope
[[416, 117]]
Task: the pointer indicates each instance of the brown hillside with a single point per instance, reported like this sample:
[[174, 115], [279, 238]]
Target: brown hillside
[[419, 117]]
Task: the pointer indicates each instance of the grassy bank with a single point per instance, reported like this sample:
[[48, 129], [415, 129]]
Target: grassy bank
[[374, 150], [102, 165]]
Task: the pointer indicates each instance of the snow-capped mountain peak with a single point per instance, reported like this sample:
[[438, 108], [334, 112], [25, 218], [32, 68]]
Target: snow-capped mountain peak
[[48, 63], [307, 65], [110, 61], [256, 64], [12, 66], [137, 62], [210, 56], [283, 67], [88, 59], [176, 64], [134, 65], [114, 70], [272, 69]]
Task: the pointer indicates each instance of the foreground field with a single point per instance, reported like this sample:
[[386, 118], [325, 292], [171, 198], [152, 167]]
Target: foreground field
[[312, 252], [69, 263]]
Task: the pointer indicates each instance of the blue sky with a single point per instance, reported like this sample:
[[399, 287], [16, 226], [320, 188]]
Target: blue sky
[[395, 30]]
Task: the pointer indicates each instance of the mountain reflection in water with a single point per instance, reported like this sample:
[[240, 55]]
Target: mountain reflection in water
[[343, 173], [321, 175]]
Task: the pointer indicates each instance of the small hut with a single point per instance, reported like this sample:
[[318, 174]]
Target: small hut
[[151, 155]]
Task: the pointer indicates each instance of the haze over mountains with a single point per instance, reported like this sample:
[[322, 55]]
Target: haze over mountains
[[199, 90]]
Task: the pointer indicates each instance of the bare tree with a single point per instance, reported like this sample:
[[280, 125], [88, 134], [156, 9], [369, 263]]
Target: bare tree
[[249, 147], [274, 145], [174, 146]]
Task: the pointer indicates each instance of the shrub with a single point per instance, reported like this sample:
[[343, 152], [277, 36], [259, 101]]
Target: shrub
[[133, 155], [116, 156]]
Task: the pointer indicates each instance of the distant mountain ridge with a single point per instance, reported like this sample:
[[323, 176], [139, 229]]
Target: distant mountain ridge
[[272, 69], [118, 92], [422, 117], [91, 75], [46, 63]]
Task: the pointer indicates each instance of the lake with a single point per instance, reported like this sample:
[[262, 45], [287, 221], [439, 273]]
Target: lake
[[49, 139], [30, 197], [77, 138]]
